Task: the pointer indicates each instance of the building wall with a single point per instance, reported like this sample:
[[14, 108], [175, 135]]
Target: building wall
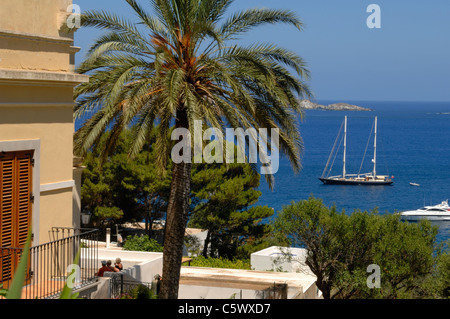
[[204, 282], [39, 17], [31, 36], [280, 259], [36, 103]]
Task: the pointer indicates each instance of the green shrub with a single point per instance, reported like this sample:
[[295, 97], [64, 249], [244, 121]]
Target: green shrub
[[143, 292], [142, 243], [139, 292], [341, 247], [220, 263]]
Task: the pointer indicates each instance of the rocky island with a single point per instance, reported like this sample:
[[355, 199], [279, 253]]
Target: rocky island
[[308, 105]]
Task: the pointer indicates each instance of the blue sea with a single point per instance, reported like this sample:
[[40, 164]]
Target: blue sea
[[413, 145]]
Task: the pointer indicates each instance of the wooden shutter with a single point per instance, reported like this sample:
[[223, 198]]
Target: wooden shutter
[[23, 193], [6, 216], [15, 207]]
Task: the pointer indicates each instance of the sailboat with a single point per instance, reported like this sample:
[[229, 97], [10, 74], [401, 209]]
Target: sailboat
[[356, 179]]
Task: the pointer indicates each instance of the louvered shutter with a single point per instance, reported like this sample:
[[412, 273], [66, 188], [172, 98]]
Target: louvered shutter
[[15, 208], [6, 216], [24, 192]]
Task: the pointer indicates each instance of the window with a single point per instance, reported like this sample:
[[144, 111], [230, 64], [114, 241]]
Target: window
[[15, 206]]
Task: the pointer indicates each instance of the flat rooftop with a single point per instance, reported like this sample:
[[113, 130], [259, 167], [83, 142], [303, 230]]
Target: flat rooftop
[[255, 280]]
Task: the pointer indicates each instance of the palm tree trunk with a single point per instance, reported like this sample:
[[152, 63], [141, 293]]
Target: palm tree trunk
[[177, 215]]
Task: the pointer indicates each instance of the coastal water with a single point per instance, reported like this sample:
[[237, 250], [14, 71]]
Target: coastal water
[[413, 145]]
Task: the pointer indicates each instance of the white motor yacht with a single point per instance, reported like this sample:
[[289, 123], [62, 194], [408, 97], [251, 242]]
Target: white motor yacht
[[437, 212]]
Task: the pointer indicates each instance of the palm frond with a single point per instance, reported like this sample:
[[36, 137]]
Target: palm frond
[[185, 64], [248, 19]]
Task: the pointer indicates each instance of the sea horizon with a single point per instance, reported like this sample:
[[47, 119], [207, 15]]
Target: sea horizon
[[409, 135], [407, 132]]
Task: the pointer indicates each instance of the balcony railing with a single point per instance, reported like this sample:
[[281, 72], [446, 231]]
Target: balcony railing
[[51, 265], [120, 287]]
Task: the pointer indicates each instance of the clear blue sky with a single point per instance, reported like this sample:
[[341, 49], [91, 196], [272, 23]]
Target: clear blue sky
[[407, 59]]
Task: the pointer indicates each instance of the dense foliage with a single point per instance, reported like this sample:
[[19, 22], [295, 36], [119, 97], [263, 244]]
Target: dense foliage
[[226, 198], [121, 190], [179, 62], [139, 292], [222, 200], [221, 263], [142, 243], [342, 246]]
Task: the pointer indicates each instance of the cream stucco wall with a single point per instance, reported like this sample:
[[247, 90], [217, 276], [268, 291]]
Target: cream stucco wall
[[33, 16], [31, 36], [36, 102]]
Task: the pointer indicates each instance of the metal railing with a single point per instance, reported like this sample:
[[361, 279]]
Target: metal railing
[[122, 288], [51, 265]]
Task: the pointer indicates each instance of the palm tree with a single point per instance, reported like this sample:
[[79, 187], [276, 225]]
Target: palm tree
[[179, 65]]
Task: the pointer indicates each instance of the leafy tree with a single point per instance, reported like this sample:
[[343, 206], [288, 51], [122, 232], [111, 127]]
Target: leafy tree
[[405, 255], [340, 247], [304, 224], [441, 282], [180, 65], [225, 197], [122, 190]]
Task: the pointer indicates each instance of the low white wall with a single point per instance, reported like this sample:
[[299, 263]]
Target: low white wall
[[286, 259], [145, 271], [103, 289], [142, 266], [204, 283], [214, 292], [138, 266], [279, 259]]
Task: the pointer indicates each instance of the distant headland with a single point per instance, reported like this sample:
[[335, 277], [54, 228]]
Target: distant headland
[[308, 105]]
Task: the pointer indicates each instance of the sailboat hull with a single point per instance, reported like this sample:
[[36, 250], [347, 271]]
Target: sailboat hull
[[344, 181], [370, 179]]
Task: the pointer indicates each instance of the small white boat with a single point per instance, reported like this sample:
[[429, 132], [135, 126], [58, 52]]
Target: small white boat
[[436, 212], [414, 184]]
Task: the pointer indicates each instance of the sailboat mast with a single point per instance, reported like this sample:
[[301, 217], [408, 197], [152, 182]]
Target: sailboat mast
[[375, 151], [345, 147]]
